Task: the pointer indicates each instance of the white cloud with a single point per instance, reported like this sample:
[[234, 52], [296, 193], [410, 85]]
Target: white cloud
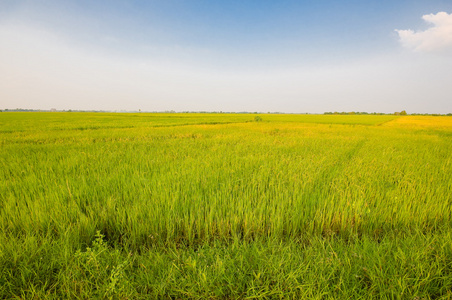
[[438, 38]]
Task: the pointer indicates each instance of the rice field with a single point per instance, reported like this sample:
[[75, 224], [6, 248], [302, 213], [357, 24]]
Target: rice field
[[225, 206]]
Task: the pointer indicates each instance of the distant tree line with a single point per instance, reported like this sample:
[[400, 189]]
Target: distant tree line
[[47, 110], [401, 113], [20, 109], [397, 113]]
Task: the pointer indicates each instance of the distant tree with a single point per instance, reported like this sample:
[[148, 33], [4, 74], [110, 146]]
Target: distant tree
[[403, 113]]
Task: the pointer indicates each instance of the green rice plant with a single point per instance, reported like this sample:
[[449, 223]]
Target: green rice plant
[[212, 205]]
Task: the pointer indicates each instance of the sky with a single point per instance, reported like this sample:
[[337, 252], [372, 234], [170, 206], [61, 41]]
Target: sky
[[231, 56]]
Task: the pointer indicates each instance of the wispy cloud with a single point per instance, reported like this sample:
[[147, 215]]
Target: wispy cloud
[[438, 38]]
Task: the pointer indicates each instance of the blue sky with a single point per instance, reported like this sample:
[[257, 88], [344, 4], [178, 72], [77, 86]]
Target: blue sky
[[289, 56]]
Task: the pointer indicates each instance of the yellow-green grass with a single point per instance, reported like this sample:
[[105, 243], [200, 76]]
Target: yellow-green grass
[[186, 203]]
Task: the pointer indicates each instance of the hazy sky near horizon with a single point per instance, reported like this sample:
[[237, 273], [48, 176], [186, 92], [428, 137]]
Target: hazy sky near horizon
[[285, 56]]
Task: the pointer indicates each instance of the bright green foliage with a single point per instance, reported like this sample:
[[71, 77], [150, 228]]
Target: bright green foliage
[[221, 206]]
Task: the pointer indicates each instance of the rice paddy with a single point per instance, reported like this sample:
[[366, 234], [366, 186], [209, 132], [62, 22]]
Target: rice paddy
[[225, 206]]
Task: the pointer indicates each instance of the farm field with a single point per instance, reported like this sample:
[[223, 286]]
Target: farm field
[[225, 206]]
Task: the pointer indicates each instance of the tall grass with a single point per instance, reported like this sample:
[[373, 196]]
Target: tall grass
[[114, 203]]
